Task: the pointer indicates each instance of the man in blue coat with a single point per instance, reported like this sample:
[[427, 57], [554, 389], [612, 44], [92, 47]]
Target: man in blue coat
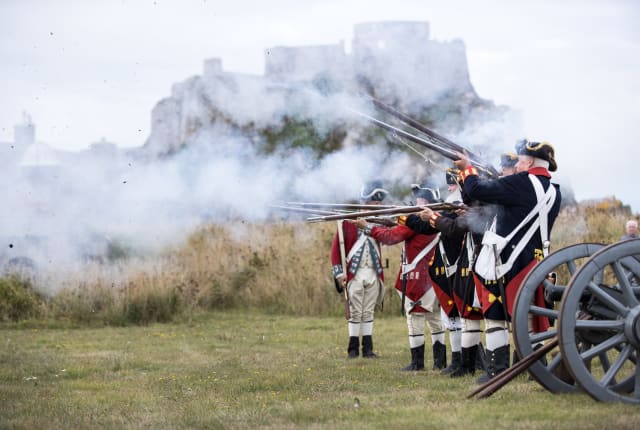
[[526, 209]]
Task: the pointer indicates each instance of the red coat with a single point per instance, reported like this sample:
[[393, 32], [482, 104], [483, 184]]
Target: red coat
[[350, 237], [418, 280]]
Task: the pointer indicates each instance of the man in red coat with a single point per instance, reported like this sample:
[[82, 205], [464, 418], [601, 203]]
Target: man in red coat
[[357, 266], [413, 281]]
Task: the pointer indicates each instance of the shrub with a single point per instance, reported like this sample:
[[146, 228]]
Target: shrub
[[18, 299], [282, 267]]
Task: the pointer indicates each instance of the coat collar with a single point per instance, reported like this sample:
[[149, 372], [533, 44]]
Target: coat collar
[[539, 171]]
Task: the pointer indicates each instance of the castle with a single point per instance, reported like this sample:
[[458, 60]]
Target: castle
[[396, 59]]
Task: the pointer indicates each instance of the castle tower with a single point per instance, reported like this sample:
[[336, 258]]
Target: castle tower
[[398, 59]]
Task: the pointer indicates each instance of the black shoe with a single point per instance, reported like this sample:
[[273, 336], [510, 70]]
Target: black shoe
[[439, 355], [367, 347], [483, 379], [417, 359], [352, 349], [497, 361], [468, 366], [456, 362]]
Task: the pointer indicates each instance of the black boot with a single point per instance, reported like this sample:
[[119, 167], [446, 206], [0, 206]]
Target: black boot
[[468, 366], [352, 349], [417, 359], [484, 378], [500, 359], [439, 355], [456, 362], [497, 362], [367, 347]]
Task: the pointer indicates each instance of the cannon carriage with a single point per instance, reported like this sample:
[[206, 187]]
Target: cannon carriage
[[593, 343]]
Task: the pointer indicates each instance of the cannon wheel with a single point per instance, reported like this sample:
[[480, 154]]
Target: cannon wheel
[[547, 371], [599, 325]]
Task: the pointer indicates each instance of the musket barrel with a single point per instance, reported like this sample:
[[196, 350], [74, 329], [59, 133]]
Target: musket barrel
[[305, 210], [450, 154], [392, 211], [339, 205], [415, 124], [446, 152]]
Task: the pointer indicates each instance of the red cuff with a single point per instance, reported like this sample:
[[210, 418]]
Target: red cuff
[[468, 171], [433, 218]]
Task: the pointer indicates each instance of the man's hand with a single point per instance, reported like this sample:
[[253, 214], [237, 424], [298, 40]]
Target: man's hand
[[341, 283], [425, 214], [462, 162], [360, 222]]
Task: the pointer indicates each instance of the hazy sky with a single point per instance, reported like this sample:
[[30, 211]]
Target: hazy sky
[[87, 69]]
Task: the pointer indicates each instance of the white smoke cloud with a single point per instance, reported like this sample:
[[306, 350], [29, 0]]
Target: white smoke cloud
[[78, 210]]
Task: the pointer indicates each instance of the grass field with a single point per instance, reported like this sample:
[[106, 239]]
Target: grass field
[[239, 370]]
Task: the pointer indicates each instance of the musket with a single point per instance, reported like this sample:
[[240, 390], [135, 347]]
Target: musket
[[424, 129], [403, 282], [445, 152], [376, 220], [395, 211], [338, 206], [305, 210], [343, 261], [501, 288]]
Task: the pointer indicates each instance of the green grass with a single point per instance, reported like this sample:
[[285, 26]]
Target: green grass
[[237, 370]]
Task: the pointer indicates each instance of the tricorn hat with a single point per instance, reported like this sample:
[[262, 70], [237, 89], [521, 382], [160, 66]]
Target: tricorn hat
[[452, 175], [426, 191], [542, 150], [508, 159], [373, 191]]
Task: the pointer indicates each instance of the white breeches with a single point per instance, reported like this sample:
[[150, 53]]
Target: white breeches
[[363, 295]]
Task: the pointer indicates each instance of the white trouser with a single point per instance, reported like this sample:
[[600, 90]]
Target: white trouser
[[363, 295]]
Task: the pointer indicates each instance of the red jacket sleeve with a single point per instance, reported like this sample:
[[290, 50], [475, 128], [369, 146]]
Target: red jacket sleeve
[[392, 235]]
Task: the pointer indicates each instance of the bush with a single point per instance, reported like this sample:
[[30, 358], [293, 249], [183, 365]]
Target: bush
[[154, 306], [282, 268], [18, 300]]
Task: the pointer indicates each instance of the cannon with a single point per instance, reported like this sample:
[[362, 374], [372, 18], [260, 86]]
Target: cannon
[[593, 343]]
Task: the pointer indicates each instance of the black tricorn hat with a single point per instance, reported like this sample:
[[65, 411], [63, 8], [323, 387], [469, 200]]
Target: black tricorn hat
[[542, 150], [373, 191], [452, 176], [426, 191], [508, 159]]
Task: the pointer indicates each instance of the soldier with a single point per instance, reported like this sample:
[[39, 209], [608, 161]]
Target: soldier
[[461, 230], [527, 206], [508, 161], [442, 270], [363, 275], [413, 282]]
